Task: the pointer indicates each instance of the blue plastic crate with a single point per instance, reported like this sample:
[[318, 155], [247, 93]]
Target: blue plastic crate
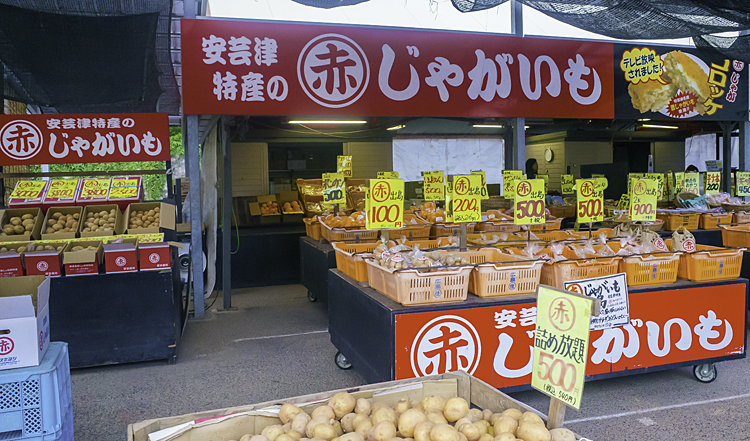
[[36, 402]]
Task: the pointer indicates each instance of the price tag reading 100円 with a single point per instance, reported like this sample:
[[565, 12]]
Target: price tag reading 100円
[[590, 201], [333, 189], [385, 204], [643, 200], [466, 198], [528, 207]]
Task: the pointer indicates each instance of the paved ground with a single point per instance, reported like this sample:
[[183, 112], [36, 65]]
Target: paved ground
[[227, 359]]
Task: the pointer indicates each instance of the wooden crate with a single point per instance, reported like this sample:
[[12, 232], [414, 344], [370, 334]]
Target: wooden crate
[[234, 422]]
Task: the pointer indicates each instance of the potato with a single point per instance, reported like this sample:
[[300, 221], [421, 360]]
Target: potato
[[337, 427], [561, 434], [402, 406], [455, 409], [51, 222], [326, 411], [15, 221], [299, 422], [97, 215], [284, 437], [397, 438], [27, 222], [246, 437], [461, 422], [363, 427], [49, 248], [513, 413], [320, 419], [433, 402], [57, 227], [384, 431], [60, 248], [487, 414], [470, 431], [476, 415], [505, 436], [436, 417], [362, 407], [28, 228], [3, 250], [483, 427], [342, 403], [86, 230], [422, 431], [384, 414], [76, 216], [288, 412], [346, 422], [408, 421], [444, 432], [358, 419], [27, 216], [257, 438], [272, 432], [8, 229], [533, 432], [486, 437], [354, 436], [530, 417], [19, 229], [462, 437], [506, 424]]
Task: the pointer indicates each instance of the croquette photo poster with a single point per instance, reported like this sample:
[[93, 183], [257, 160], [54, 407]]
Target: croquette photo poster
[[667, 83]]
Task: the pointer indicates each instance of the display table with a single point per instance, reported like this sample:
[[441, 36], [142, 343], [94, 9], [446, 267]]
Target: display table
[[671, 326], [116, 318], [315, 260]]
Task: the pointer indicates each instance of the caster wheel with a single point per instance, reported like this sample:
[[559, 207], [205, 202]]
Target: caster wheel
[[311, 297], [341, 361], [705, 373]]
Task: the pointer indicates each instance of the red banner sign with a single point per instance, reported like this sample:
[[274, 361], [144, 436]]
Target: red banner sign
[[495, 344], [74, 139], [258, 68]]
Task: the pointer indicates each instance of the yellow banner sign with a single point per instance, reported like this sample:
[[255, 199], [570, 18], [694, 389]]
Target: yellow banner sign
[[590, 199], [434, 185], [713, 182], [679, 182], [643, 200], [388, 175], [509, 182], [124, 189], [333, 189], [743, 183], [95, 188], [466, 198], [385, 204], [568, 184], [561, 342], [528, 206], [62, 189], [344, 165], [481, 173], [692, 184], [28, 190]]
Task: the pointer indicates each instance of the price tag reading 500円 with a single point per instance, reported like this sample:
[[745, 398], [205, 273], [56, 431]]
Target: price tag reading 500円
[[590, 200], [333, 189], [643, 200], [385, 204], [434, 185], [466, 198], [528, 206]]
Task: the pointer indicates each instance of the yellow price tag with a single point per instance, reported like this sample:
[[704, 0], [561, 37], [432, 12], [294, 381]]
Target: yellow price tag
[[624, 202], [643, 200], [385, 204], [388, 175], [692, 183], [713, 182], [124, 189], [481, 173], [528, 206], [62, 189], [659, 178], [333, 189], [434, 185], [743, 183], [95, 188], [466, 198], [568, 184], [590, 197], [28, 189], [679, 182], [344, 165], [559, 369], [449, 202], [509, 182]]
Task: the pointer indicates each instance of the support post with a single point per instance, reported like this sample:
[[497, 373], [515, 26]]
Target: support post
[[192, 151], [226, 214], [519, 144], [556, 415], [516, 18], [727, 163]]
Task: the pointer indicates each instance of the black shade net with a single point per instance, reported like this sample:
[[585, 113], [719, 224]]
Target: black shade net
[[88, 56]]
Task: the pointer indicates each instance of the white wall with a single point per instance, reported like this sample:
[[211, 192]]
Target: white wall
[[455, 156], [554, 168], [249, 168], [368, 158]]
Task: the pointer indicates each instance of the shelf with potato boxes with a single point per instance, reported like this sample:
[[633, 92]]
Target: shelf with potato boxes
[[90, 239]]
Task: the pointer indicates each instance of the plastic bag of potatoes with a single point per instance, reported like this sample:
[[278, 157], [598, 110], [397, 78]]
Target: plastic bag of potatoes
[[101, 221], [62, 223], [19, 225], [345, 418], [144, 218]]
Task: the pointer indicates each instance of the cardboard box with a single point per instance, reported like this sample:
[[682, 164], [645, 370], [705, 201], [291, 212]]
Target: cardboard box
[[154, 256], [291, 216], [60, 235], [20, 212], [125, 190], [79, 263], [265, 218], [11, 261], [61, 193], [121, 257], [28, 194], [41, 262], [166, 217], [94, 191], [24, 321], [94, 210]]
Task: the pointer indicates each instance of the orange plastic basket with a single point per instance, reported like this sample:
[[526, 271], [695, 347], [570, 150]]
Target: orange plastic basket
[[711, 221], [552, 224], [446, 230], [557, 273], [504, 275], [735, 235], [347, 234], [572, 234], [312, 228], [651, 269], [562, 211], [709, 263], [413, 287], [350, 258], [674, 221], [741, 217], [420, 229], [497, 227]]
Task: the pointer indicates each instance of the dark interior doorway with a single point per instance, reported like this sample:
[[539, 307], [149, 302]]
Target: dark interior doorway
[[635, 154]]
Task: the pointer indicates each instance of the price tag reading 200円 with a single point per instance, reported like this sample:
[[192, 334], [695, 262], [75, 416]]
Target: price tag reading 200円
[[466, 198]]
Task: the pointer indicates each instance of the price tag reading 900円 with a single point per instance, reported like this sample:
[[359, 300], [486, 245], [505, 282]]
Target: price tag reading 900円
[[466, 198], [643, 200], [385, 204], [590, 201], [528, 206]]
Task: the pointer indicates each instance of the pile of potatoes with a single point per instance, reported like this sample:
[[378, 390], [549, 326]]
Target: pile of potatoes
[[144, 218], [62, 223], [19, 225], [81, 248], [345, 418], [101, 221]]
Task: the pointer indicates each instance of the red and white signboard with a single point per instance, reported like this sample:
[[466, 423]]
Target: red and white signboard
[[496, 343], [258, 68], [84, 138]]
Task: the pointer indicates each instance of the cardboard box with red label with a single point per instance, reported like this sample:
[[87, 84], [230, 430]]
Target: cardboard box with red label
[[11, 260], [21, 224], [94, 191], [24, 321], [45, 259], [154, 256], [28, 194], [121, 257], [61, 193], [84, 261], [125, 190]]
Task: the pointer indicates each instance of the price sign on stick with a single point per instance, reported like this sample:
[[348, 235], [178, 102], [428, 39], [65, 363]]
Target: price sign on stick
[[659, 178], [568, 184], [590, 200], [561, 344], [713, 182], [449, 202], [333, 189], [28, 189], [624, 202], [481, 173], [385, 203], [679, 182], [434, 185], [692, 183], [743, 184], [344, 165], [466, 198], [509, 182], [528, 207], [388, 175], [643, 200]]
